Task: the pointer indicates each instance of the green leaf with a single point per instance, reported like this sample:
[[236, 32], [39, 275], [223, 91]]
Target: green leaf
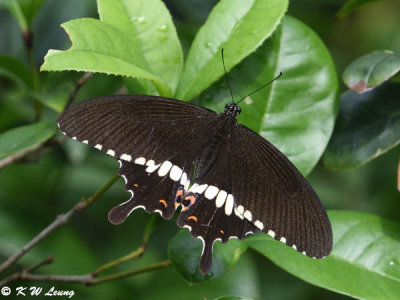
[[351, 5], [238, 26], [22, 138], [370, 71], [364, 263], [16, 70], [15, 9], [30, 8], [24, 11], [184, 252], [368, 125], [149, 22], [296, 112], [100, 47]]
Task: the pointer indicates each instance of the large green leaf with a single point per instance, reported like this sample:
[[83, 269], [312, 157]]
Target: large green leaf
[[22, 138], [371, 70], [184, 252], [238, 26], [100, 47], [296, 112], [368, 125], [149, 22], [16, 70], [364, 263]]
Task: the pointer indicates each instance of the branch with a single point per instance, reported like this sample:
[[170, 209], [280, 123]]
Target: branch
[[19, 275], [160, 265], [87, 279], [81, 81], [150, 226], [59, 221]]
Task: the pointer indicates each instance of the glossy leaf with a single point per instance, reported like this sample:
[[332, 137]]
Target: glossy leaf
[[21, 138], [351, 5], [368, 125], [238, 26], [296, 112], [16, 70], [184, 252], [149, 22], [364, 263], [100, 47], [370, 71]]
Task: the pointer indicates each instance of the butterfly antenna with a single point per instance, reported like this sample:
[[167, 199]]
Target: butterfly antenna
[[280, 74], [226, 75]]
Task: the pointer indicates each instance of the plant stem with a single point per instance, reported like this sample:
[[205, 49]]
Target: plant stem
[[160, 265], [135, 254], [59, 221]]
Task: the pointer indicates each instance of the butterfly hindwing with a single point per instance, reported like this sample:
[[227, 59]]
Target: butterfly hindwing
[[155, 188], [210, 223]]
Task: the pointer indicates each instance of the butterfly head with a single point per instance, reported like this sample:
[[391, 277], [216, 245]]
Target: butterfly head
[[232, 109]]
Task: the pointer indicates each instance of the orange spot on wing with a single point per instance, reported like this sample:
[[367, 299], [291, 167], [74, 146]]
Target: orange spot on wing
[[135, 185], [163, 202], [192, 218], [179, 193], [222, 232], [192, 199]]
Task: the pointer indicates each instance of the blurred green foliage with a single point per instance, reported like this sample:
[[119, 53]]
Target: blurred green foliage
[[34, 191]]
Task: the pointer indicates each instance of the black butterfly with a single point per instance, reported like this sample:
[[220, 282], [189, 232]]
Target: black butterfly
[[241, 183]]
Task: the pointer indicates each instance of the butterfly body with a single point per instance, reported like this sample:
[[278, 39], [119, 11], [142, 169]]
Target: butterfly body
[[241, 183]]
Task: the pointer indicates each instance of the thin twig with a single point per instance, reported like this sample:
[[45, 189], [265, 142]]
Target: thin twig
[[18, 275], [60, 220], [150, 226], [81, 81], [160, 265], [87, 279], [47, 261], [135, 254]]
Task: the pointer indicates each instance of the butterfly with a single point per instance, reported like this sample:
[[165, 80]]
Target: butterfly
[[228, 181]]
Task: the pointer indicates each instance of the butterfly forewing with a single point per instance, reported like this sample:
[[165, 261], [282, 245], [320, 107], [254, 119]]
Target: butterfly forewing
[[131, 126], [276, 198]]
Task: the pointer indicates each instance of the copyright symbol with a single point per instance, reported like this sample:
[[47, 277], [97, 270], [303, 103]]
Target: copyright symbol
[[5, 291]]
